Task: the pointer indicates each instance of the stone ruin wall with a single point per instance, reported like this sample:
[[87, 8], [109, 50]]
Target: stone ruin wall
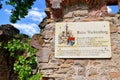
[[76, 69]]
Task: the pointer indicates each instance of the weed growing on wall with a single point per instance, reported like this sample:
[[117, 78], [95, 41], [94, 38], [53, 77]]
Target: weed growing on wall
[[25, 60]]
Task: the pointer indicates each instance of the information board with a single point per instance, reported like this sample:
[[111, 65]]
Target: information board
[[82, 40]]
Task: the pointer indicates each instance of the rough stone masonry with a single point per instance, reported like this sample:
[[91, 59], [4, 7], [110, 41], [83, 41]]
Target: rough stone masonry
[[76, 69]]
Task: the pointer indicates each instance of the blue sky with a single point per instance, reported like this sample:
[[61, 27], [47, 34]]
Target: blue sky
[[113, 9], [29, 25]]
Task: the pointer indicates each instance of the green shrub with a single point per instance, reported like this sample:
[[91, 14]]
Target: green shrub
[[25, 59]]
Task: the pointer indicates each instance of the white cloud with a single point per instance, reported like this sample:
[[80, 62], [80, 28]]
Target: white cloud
[[7, 11], [35, 15], [35, 8], [29, 29], [109, 9]]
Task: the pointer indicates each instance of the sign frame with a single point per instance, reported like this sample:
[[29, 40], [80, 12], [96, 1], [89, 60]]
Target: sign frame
[[82, 40]]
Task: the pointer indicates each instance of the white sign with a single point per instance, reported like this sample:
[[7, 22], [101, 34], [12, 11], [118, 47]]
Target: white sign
[[82, 40]]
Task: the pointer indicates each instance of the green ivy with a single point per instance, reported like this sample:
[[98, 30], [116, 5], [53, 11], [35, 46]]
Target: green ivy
[[36, 77], [20, 8], [24, 62]]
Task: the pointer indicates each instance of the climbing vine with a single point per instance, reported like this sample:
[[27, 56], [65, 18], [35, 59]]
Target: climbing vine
[[25, 60]]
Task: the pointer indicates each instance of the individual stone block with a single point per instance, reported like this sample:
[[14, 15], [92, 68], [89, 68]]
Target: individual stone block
[[114, 75], [113, 28], [47, 71], [36, 41], [43, 54], [65, 65], [80, 13], [68, 15], [44, 66]]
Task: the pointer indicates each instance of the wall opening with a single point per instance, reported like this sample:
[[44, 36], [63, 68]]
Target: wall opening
[[113, 9]]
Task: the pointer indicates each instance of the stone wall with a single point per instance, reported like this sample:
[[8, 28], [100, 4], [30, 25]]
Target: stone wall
[[78, 69], [56, 9]]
